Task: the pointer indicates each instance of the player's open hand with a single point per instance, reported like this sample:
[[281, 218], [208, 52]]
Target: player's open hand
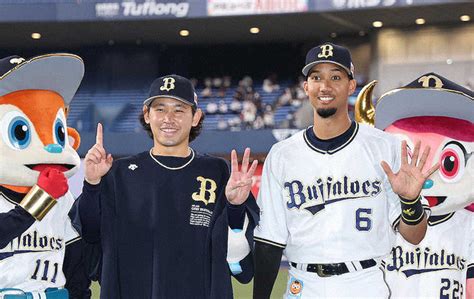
[[240, 182], [408, 181], [97, 161]]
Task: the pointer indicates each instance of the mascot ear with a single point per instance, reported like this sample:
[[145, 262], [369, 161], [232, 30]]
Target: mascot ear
[[74, 138]]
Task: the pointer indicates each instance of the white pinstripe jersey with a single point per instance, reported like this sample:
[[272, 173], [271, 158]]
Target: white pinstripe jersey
[[34, 261], [330, 206]]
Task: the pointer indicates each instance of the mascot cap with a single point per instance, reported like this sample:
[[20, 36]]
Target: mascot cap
[[61, 73], [428, 95]]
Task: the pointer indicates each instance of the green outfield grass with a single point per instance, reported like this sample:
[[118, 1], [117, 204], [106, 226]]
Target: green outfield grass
[[241, 291]]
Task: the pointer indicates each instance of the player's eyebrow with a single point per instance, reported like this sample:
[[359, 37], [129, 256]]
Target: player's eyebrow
[[335, 69], [177, 105]]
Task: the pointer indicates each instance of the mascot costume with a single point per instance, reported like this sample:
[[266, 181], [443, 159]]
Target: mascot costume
[[37, 155], [440, 113]]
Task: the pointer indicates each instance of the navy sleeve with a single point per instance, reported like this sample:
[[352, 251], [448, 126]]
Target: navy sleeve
[[75, 271], [88, 206], [13, 223], [236, 215], [267, 263]]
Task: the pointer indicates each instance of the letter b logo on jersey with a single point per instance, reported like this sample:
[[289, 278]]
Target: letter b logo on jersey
[[326, 51], [203, 191], [168, 84]]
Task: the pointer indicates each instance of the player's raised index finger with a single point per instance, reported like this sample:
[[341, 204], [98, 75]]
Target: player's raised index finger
[[99, 139]]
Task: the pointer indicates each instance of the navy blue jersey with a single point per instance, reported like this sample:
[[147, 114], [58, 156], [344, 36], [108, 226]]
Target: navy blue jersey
[[163, 232]]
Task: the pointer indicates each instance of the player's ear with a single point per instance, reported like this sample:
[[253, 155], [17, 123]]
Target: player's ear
[[305, 87], [352, 86], [146, 114], [197, 117]]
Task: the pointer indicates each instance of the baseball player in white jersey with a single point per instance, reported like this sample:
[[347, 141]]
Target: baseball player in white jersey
[[332, 195]]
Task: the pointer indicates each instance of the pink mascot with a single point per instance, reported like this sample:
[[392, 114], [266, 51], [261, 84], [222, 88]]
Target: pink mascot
[[440, 113]]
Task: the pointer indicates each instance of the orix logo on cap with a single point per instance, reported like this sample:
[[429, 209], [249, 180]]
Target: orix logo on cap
[[425, 81], [17, 60], [326, 51], [168, 84]]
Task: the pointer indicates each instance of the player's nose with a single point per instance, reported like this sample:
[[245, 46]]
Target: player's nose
[[324, 85]]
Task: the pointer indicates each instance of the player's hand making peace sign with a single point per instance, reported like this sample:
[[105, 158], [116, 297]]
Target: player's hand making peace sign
[[240, 182], [408, 181], [97, 161]]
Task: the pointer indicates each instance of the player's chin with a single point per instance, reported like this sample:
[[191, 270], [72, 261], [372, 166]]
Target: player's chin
[[326, 112]]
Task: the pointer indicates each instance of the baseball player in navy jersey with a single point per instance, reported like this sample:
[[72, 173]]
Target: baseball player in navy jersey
[[171, 222], [334, 196]]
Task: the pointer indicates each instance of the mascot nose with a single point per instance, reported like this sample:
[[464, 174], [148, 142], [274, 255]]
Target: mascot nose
[[428, 184], [54, 148]]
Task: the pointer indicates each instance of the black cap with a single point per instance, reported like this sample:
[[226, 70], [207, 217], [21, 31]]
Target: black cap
[[329, 53], [429, 95], [172, 86], [59, 72]]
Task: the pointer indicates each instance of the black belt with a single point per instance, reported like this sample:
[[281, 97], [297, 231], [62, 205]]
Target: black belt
[[326, 270]]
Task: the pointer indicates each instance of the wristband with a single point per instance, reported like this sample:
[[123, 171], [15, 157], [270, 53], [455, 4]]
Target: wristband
[[412, 210], [37, 202]]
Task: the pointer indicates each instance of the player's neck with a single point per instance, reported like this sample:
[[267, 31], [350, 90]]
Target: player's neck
[[181, 150], [327, 128]]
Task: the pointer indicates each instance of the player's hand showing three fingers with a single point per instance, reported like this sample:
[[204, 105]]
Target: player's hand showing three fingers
[[240, 182], [408, 181], [97, 161]]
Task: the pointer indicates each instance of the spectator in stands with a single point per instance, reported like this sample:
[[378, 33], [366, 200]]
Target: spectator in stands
[[211, 107], [268, 117], [270, 84], [217, 82], [222, 107], [240, 92], [235, 106], [207, 91], [258, 123], [249, 113], [235, 123], [226, 83], [222, 123], [285, 98]]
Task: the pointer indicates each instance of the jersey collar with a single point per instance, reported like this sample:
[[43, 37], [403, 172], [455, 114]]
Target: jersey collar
[[11, 196], [333, 145]]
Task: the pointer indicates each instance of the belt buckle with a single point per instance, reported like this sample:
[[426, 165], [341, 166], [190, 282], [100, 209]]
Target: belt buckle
[[320, 271]]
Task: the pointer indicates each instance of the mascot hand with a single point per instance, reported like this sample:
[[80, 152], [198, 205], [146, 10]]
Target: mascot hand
[[53, 181]]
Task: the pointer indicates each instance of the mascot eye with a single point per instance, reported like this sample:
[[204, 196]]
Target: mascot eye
[[19, 132], [60, 132], [452, 163]]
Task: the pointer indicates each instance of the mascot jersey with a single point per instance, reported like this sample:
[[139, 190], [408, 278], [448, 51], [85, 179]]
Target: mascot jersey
[[34, 260], [163, 231], [437, 267]]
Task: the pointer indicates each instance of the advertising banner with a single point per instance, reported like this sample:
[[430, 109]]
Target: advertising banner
[[253, 7], [329, 5]]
